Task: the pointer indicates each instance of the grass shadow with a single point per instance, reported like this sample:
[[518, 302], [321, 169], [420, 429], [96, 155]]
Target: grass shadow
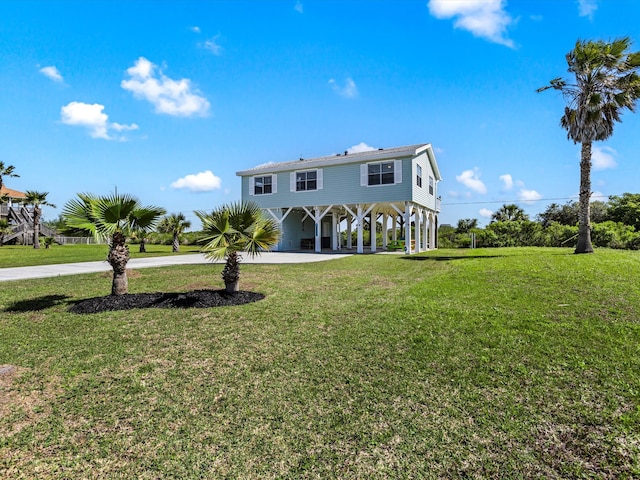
[[36, 304], [445, 258]]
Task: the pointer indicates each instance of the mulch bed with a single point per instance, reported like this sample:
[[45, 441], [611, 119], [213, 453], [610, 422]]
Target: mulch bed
[[193, 299]]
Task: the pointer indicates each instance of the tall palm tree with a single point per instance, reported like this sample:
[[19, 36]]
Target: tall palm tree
[[145, 219], [235, 228], [108, 218], [6, 171], [37, 199], [175, 224], [606, 83], [509, 213]]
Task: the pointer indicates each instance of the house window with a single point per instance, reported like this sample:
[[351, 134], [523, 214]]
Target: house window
[[306, 181], [263, 185], [419, 175], [430, 185], [381, 173]]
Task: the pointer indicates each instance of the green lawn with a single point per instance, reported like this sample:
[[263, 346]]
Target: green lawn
[[504, 363], [25, 256]]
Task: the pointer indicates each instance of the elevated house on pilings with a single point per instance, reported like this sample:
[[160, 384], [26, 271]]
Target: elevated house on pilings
[[314, 200], [20, 218]]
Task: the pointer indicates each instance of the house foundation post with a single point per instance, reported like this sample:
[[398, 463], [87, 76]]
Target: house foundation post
[[373, 227], [360, 244], [334, 231], [317, 219], [427, 238], [349, 224], [385, 230], [407, 228], [418, 227]]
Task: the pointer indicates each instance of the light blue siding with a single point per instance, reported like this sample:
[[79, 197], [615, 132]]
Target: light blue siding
[[341, 185]]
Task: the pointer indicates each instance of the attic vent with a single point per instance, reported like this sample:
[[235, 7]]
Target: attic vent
[[346, 152]]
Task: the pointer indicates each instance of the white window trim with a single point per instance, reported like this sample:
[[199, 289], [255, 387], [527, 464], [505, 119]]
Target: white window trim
[[274, 184], [293, 182], [397, 173]]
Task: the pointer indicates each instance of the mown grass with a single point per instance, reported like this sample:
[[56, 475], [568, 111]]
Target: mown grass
[[26, 256], [505, 363]]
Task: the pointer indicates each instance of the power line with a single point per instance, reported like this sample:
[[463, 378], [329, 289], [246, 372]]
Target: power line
[[519, 200]]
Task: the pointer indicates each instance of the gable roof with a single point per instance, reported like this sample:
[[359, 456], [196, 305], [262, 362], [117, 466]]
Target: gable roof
[[340, 159], [12, 193]]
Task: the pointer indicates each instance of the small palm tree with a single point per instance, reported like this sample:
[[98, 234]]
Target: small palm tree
[[606, 83], [175, 224], [5, 229], [108, 217], [234, 228], [6, 171], [37, 199], [145, 219]]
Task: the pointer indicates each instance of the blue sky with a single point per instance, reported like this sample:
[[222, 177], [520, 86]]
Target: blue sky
[[166, 100]]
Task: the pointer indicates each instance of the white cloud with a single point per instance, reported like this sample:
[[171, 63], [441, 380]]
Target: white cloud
[[598, 196], [171, 97], [348, 90], [361, 147], [52, 73], [200, 182], [195, 29], [587, 8], [528, 196], [299, 7], [483, 18], [213, 46], [92, 117], [454, 194], [471, 180], [507, 180], [485, 212], [602, 158]]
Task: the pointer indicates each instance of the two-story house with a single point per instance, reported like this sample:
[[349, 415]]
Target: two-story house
[[314, 199]]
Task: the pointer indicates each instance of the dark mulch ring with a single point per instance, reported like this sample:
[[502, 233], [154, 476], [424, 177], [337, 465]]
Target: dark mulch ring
[[193, 299]]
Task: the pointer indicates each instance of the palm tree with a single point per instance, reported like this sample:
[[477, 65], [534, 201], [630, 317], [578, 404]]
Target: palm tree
[[108, 217], [37, 199], [6, 171], [175, 224], [145, 219], [5, 229], [235, 228], [509, 213], [606, 83]]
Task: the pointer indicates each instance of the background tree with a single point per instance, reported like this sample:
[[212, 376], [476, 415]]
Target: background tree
[[5, 229], [145, 220], [466, 224], [509, 213], [175, 224], [606, 83], [107, 218], [235, 228], [6, 171], [37, 199], [625, 209]]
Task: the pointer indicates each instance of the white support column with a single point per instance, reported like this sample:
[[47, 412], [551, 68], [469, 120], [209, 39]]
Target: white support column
[[385, 229], [317, 219], [427, 239], [373, 227], [407, 228], [360, 244], [418, 218], [432, 232], [334, 232]]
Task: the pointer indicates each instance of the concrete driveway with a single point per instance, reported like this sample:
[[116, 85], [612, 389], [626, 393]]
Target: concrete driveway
[[43, 271]]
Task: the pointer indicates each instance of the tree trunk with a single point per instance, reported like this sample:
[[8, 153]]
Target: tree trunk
[[176, 243], [37, 214], [231, 273], [143, 248], [584, 220], [118, 258]]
